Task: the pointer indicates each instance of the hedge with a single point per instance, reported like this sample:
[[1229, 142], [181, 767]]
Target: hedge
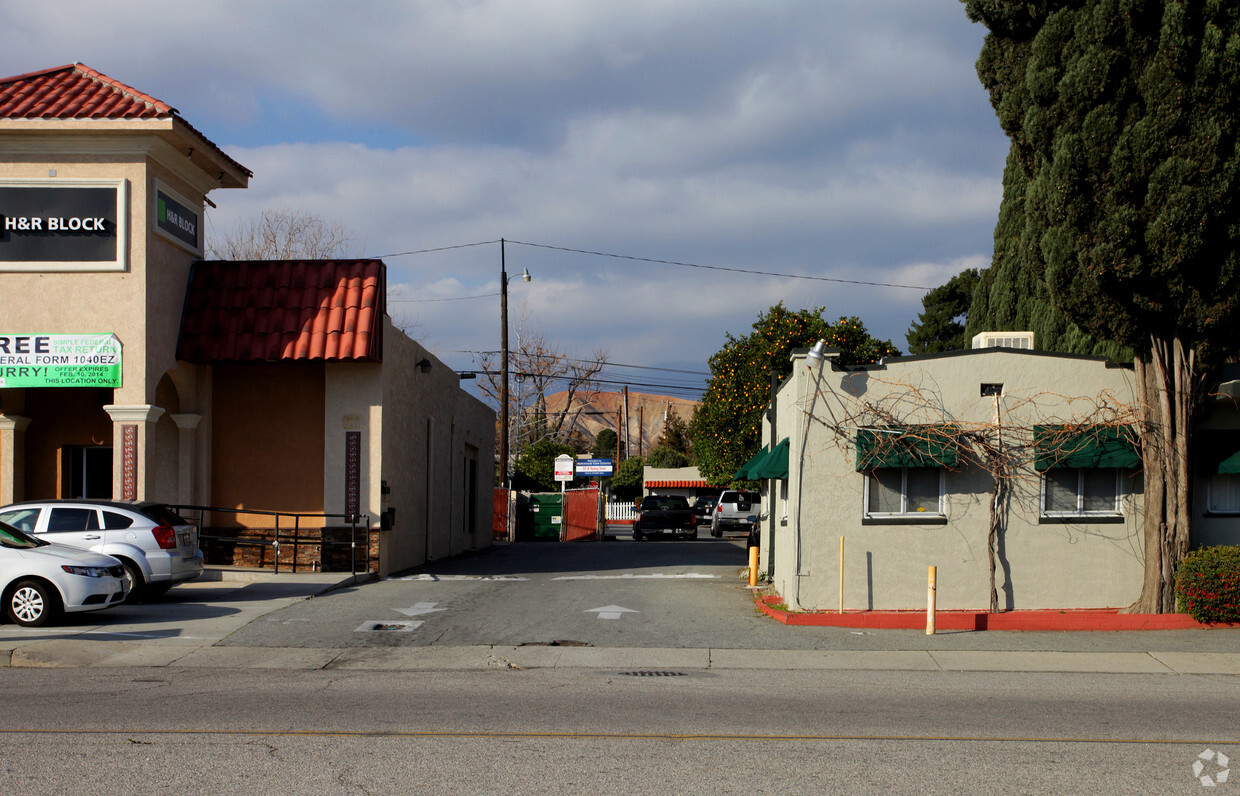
[[1207, 584]]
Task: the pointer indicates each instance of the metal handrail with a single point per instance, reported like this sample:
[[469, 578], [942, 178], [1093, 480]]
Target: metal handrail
[[353, 520]]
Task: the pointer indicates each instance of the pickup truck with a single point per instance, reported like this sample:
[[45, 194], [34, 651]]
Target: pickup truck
[[665, 514], [734, 511]]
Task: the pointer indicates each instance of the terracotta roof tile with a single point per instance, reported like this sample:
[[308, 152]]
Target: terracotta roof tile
[[76, 91], [265, 310], [689, 484]]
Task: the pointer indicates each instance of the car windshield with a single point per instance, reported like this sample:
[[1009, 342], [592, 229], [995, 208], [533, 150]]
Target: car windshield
[[20, 540]]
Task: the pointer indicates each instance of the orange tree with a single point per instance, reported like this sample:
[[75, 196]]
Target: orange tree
[[727, 426]]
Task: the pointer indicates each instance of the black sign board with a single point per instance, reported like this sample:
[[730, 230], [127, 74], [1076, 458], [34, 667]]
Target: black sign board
[[176, 219], [54, 224]]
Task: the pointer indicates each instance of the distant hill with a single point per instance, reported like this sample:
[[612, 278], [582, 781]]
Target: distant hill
[[645, 410]]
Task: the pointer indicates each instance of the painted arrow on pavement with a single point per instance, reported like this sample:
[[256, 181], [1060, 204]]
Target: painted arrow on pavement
[[611, 612], [419, 609]]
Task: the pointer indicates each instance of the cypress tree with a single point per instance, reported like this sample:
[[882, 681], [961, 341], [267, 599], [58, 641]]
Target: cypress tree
[[1121, 204]]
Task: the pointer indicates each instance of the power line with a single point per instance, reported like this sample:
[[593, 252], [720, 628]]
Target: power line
[[717, 267], [656, 261]]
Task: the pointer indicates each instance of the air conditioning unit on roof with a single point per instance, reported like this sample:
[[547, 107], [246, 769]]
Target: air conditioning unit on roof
[[1003, 340]]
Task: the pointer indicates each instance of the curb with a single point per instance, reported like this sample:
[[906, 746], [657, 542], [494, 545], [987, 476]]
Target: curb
[[1037, 621]]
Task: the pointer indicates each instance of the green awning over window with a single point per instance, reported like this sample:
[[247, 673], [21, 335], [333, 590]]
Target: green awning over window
[[766, 464], [1092, 447], [745, 474], [907, 446], [774, 464]]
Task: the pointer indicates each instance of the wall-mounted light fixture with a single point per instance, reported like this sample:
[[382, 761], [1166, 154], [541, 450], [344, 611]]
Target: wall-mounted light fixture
[[424, 365], [816, 354]]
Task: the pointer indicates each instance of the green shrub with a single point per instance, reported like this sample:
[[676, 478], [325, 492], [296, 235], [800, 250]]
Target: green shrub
[[1207, 584]]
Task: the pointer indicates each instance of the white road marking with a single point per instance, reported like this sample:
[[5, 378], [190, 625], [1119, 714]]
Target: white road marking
[[630, 576], [418, 609], [611, 612], [428, 577]]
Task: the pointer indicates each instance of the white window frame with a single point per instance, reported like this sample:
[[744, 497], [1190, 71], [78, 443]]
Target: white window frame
[[904, 513], [1118, 506]]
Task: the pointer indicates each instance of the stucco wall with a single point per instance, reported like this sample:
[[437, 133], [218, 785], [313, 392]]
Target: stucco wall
[[432, 429], [1041, 564]]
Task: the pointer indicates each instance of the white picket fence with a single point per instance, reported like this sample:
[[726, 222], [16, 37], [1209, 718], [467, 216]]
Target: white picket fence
[[618, 512]]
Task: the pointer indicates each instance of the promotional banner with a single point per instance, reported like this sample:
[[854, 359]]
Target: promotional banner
[[60, 360]]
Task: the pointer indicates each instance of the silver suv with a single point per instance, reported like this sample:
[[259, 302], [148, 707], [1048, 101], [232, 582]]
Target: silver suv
[[733, 511], [157, 548]]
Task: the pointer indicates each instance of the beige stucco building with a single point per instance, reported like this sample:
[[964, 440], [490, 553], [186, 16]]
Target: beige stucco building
[[894, 467], [131, 369]]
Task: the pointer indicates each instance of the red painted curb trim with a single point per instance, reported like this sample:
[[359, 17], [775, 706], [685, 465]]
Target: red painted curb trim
[[1049, 620]]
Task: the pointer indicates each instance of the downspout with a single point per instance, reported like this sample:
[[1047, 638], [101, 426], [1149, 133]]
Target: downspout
[[772, 414], [816, 356]]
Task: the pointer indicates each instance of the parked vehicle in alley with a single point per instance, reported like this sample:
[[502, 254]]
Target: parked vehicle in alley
[[157, 548], [39, 581], [703, 506], [665, 514], [733, 511]]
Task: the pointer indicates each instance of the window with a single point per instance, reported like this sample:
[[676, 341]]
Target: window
[[1081, 492], [1222, 494], [904, 492], [69, 520]]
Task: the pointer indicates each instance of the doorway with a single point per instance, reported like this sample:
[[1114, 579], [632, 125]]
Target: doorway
[[88, 471]]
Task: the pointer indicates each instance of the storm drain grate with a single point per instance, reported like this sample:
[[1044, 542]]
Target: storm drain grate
[[389, 626], [654, 674]]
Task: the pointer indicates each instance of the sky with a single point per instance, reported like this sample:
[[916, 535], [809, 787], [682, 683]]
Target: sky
[[666, 170]]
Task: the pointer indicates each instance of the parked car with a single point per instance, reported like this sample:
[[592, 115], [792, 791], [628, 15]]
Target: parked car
[[157, 548], [732, 512], [40, 580], [665, 514], [703, 506]]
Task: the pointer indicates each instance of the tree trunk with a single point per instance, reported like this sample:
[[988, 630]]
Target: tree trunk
[[1167, 386]]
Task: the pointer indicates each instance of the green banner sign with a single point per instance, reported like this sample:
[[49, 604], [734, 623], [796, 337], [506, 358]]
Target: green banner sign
[[60, 360]]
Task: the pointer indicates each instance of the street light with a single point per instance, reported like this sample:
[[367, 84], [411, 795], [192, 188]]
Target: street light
[[503, 342]]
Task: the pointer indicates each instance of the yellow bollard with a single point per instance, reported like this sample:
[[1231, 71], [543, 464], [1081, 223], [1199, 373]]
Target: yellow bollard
[[930, 602], [753, 566], [841, 574]]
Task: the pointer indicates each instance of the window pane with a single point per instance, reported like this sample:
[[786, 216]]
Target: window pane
[[23, 519], [1224, 493], [72, 520], [1100, 490], [885, 484], [923, 489], [115, 522], [1061, 486]]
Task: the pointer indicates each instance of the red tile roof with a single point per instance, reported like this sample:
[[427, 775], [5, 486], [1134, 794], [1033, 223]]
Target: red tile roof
[[75, 91], [676, 484], [267, 310]]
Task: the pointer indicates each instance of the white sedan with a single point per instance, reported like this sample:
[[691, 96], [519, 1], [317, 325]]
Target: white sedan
[[40, 580]]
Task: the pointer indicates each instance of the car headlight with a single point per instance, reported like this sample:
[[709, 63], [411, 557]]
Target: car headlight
[[86, 572]]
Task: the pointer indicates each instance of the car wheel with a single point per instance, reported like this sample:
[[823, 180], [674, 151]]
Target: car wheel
[[637, 536], [716, 531], [134, 583], [32, 604]]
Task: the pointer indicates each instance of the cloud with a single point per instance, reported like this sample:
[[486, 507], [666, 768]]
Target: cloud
[[838, 139]]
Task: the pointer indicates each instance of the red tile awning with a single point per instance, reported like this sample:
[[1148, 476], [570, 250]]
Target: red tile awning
[[699, 484], [272, 310]]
